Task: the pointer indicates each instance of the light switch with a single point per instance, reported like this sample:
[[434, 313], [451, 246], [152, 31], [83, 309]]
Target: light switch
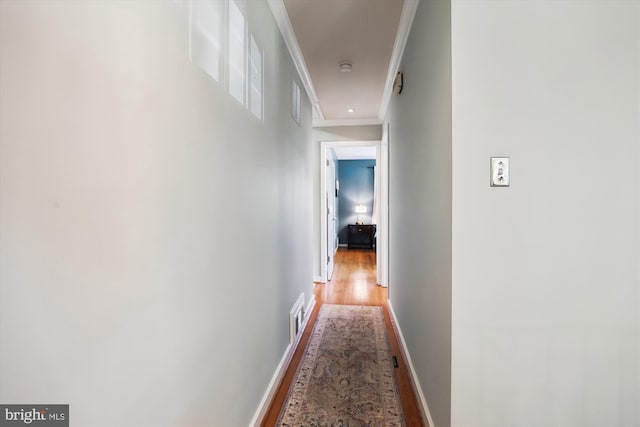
[[500, 171]]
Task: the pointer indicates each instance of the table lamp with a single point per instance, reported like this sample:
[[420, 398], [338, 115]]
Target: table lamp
[[360, 209]]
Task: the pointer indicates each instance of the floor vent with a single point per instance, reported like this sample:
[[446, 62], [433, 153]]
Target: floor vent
[[296, 317]]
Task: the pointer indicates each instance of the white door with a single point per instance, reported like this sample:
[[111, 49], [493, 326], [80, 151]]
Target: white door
[[331, 216]]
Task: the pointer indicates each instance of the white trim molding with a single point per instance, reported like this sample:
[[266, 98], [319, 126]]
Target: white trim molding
[[286, 29], [281, 369], [319, 123], [409, 9], [414, 377], [310, 307], [260, 413]]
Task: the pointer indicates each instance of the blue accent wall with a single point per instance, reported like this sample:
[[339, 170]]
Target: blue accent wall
[[356, 187]]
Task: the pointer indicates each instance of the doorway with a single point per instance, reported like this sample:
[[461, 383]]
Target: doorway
[[330, 187]]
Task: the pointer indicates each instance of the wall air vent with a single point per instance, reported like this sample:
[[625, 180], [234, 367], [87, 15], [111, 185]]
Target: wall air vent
[[296, 317]]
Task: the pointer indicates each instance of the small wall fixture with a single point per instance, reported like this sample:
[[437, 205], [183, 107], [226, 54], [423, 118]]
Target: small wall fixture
[[499, 172], [397, 84]]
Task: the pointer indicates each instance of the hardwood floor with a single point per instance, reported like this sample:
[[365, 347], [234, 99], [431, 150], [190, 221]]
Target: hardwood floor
[[353, 283]]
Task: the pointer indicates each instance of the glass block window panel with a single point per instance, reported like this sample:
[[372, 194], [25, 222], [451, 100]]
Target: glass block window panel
[[255, 79], [205, 35], [237, 52]]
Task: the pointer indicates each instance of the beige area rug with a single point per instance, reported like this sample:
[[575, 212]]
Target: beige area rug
[[345, 377]]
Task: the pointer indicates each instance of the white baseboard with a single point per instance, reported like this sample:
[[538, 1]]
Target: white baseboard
[[317, 279], [343, 245], [414, 377], [272, 387], [310, 306], [281, 369]]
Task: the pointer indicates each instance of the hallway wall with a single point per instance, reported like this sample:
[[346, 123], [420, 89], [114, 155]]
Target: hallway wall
[[420, 203], [537, 285], [545, 273], [147, 219]]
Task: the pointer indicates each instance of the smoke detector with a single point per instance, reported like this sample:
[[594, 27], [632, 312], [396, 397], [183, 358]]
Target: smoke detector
[[345, 67]]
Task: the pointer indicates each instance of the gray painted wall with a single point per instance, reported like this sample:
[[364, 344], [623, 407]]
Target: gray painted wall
[[545, 273], [147, 220], [420, 203], [543, 276], [348, 133]]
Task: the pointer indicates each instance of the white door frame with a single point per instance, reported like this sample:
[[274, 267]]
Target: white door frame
[[331, 216], [382, 214]]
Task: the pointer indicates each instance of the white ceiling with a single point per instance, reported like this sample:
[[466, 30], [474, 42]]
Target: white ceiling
[[369, 34]]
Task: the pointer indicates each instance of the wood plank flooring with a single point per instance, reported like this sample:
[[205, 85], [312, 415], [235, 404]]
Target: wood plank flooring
[[353, 283]]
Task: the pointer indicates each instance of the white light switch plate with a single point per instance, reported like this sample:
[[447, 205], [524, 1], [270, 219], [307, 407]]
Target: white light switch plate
[[500, 171]]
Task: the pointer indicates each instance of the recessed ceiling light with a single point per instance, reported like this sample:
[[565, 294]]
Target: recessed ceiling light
[[345, 67], [351, 110]]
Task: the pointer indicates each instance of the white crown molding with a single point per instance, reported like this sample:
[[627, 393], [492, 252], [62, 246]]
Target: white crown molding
[[344, 122], [409, 9], [284, 24]]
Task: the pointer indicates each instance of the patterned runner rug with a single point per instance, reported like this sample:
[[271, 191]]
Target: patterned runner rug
[[345, 377]]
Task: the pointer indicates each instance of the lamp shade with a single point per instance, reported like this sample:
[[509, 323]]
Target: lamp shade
[[360, 209]]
